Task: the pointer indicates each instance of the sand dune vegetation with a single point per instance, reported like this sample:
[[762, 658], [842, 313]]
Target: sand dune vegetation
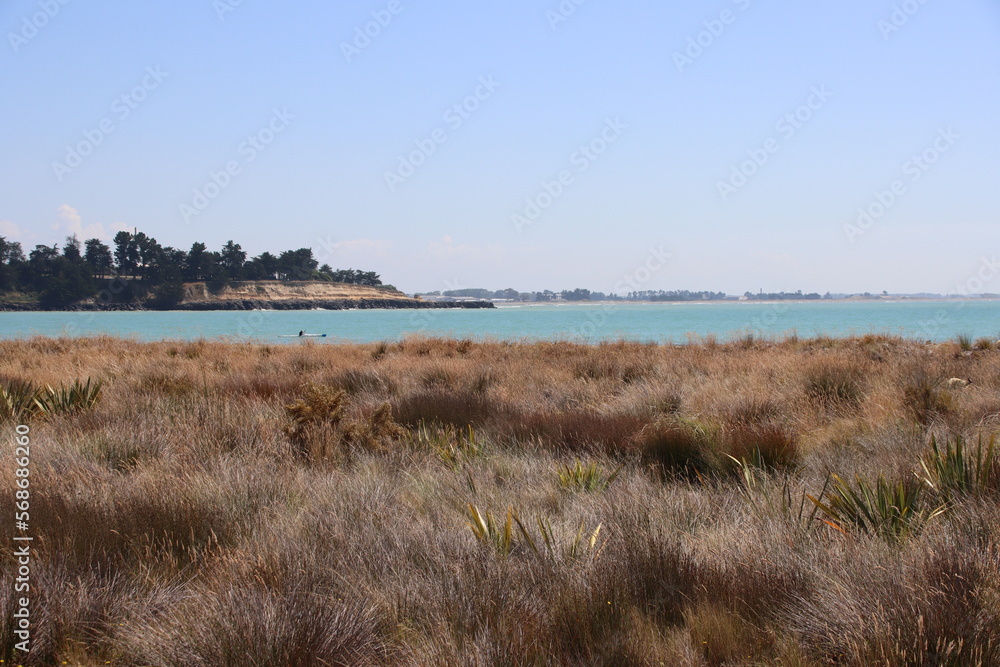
[[449, 502]]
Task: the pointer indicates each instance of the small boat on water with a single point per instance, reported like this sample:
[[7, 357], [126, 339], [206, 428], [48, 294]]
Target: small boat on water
[[302, 334]]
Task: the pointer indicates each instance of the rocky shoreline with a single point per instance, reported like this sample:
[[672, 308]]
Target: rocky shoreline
[[253, 304]]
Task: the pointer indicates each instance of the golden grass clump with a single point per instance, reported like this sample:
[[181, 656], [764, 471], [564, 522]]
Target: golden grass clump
[[318, 429]]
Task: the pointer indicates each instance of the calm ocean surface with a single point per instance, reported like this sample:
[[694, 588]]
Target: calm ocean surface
[[933, 320]]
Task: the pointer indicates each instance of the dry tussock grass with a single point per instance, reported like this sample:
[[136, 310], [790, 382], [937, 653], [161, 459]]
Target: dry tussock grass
[[230, 504]]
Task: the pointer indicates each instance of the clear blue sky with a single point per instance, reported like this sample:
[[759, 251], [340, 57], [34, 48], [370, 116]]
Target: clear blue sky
[[680, 128]]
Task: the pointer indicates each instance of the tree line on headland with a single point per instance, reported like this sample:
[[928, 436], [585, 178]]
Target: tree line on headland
[[61, 276]]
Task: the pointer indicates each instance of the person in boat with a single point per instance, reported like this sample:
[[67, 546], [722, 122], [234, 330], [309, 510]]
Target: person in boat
[[302, 333]]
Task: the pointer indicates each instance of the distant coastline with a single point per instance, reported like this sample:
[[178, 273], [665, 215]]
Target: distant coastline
[[908, 299], [581, 295]]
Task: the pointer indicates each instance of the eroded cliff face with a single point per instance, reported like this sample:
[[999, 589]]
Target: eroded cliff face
[[273, 290]]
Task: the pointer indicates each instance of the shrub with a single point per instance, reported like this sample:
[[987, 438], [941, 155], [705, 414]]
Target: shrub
[[320, 404], [118, 453], [834, 385], [752, 434], [19, 401], [452, 447], [582, 543], [886, 509], [375, 432], [437, 377], [360, 381], [488, 530], [483, 379], [958, 471], [924, 399], [241, 623], [930, 608], [601, 364], [77, 397], [313, 417], [505, 537], [379, 350], [269, 386], [318, 428], [679, 446], [722, 636], [746, 341], [590, 477], [751, 410], [444, 407], [669, 403], [769, 446], [163, 382], [984, 344], [576, 431]]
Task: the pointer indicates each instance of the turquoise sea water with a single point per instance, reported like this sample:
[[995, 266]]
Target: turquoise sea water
[[661, 322]]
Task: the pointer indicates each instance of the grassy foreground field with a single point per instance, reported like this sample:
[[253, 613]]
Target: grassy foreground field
[[442, 502]]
